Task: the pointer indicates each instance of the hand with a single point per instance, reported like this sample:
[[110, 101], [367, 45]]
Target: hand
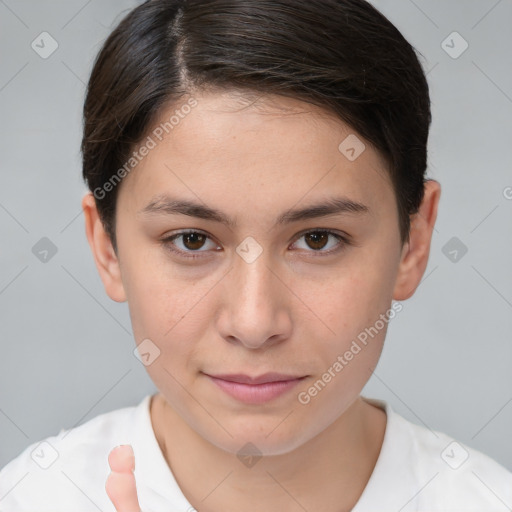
[[120, 484]]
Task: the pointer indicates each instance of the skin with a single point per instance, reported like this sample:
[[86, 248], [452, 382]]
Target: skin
[[291, 310], [120, 485]]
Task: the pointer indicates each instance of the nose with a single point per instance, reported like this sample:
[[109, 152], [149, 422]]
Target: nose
[[255, 307]]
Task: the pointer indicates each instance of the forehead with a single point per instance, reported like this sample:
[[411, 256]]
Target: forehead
[[272, 149]]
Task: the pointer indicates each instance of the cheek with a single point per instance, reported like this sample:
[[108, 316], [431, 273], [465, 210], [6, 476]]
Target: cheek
[[355, 308], [170, 324], [170, 313], [353, 299], [160, 300], [175, 313], [358, 310]]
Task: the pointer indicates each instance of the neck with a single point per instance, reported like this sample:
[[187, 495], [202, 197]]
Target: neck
[[327, 473]]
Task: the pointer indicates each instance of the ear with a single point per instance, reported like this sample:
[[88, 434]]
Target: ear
[[415, 252], [105, 257]]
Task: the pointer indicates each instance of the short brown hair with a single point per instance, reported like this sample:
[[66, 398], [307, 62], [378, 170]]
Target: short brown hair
[[342, 55]]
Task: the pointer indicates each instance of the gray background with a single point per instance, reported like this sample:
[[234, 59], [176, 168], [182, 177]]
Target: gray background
[[67, 349]]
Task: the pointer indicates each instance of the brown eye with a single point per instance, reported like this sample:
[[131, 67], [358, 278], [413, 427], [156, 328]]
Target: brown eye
[[189, 244], [317, 239], [321, 241], [193, 241]]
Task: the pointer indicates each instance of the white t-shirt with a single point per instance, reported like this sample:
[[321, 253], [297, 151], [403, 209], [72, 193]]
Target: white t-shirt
[[417, 469]]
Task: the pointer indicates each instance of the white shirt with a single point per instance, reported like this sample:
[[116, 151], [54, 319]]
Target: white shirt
[[417, 470]]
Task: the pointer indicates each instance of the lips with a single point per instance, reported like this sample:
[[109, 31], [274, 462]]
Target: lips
[[262, 379], [255, 390]]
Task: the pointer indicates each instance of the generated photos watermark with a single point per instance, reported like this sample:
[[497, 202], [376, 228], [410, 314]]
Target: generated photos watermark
[[304, 397], [151, 142]]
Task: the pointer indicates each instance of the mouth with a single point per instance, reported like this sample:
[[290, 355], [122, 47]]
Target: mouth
[[258, 389]]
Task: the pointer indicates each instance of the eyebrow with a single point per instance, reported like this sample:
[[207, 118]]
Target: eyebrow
[[331, 206]]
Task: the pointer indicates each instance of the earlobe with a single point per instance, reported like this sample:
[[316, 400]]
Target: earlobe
[[105, 257], [415, 253]]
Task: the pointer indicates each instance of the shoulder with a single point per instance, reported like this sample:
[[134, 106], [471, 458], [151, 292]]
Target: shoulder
[[459, 475], [448, 475], [70, 467]]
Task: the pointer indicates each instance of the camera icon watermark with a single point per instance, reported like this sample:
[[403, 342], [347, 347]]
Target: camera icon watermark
[[454, 249], [454, 45], [352, 147], [455, 455], [44, 455], [146, 352], [249, 250], [44, 45], [44, 250], [249, 455]]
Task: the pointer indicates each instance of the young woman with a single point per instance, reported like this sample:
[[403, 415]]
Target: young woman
[[258, 197]]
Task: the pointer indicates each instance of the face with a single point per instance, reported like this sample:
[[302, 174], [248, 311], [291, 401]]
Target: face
[[253, 279]]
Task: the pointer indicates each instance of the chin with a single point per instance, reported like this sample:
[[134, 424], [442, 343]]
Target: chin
[[260, 438]]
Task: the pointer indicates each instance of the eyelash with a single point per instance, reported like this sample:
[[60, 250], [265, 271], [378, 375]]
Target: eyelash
[[168, 243]]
